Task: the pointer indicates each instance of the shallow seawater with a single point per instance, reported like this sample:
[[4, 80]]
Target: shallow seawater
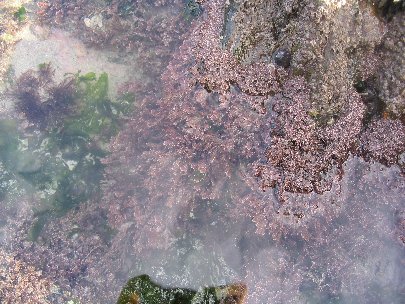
[[66, 237]]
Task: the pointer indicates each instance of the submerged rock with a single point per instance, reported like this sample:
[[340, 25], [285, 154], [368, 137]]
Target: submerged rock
[[388, 8], [282, 58], [95, 22], [141, 290]]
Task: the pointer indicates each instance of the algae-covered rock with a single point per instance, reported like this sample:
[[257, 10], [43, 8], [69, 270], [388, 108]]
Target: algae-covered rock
[[330, 43], [345, 56], [141, 290]]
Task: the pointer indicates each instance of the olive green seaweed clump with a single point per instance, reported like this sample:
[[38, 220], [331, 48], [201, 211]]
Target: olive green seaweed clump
[[71, 123], [141, 290]]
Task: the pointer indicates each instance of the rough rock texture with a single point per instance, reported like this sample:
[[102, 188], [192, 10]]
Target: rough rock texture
[[384, 141], [331, 44], [9, 28], [21, 283], [334, 45], [391, 76], [234, 108]]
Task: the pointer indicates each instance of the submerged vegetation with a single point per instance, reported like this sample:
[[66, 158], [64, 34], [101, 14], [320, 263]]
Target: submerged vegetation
[[20, 14], [12, 19], [8, 147], [70, 125], [141, 290]]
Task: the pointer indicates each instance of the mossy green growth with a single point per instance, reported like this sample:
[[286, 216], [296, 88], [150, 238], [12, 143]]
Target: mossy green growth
[[241, 52], [141, 290], [20, 14], [98, 118]]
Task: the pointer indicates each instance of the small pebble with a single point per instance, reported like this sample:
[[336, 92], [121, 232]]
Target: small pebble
[[282, 58]]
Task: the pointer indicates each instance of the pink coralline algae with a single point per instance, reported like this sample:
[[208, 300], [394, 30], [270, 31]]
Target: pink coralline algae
[[218, 71], [253, 135], [384, 141], [302, 154]]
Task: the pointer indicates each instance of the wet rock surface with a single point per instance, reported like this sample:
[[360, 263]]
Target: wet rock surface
[[337, 48]]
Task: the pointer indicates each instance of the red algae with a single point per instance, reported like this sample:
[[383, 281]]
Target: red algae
[[227, 120], [384, 141]]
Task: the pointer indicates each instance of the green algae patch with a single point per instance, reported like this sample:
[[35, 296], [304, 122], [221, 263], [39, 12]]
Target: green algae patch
[[97, 117], [71, 124], [20, 14], [142, 290]]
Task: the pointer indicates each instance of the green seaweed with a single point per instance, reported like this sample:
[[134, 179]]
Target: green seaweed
[[87, 77], [98, 117], [141, 290], [62, 162], [20, 14], [44, 66]]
